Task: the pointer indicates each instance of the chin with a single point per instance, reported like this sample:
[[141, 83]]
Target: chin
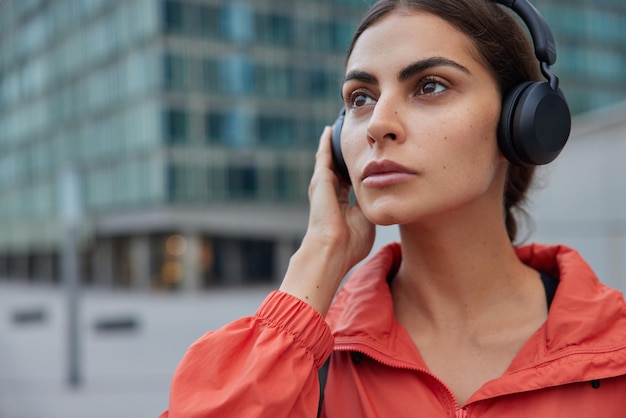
[[384, 218], [385, 223]]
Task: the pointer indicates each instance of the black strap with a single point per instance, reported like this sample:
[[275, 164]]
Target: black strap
[[549, 284], [323, 375]]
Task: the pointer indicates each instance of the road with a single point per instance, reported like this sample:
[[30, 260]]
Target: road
[[125, 372]]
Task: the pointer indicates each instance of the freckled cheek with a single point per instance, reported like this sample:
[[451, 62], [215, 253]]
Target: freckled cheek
[[463, 155], [352, 153], [479, 139]]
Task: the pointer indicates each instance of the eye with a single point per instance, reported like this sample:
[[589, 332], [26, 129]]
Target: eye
[[429, 87], [359, 99]]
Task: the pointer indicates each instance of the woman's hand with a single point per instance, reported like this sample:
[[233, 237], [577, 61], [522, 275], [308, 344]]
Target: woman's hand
[[332, 220], [338, 235]]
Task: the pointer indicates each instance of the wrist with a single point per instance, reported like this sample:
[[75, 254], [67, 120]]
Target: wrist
[[314, 274]]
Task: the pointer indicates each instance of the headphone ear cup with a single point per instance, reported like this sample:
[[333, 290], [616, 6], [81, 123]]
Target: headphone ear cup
[[505, 134], [535, 123], [340, 164]]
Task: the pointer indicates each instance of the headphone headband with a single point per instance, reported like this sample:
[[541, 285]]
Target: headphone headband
[[543, 40]]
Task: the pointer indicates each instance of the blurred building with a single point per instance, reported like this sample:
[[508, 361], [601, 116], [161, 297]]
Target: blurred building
[[591, 46], [191, 126]]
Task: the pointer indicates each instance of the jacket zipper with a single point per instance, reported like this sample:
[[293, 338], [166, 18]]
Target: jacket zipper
[[459, 412]]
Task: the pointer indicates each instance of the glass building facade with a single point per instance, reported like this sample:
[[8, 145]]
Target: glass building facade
[[192, 124]]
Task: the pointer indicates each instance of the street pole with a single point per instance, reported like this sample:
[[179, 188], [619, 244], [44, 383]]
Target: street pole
[[70, 211]]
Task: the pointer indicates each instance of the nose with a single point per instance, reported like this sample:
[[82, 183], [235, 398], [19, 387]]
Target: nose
[[385, 123]]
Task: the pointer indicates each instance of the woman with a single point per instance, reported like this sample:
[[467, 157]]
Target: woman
[[453, 320]]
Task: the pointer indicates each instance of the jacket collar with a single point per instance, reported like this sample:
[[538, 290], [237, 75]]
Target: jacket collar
[[585, 314]]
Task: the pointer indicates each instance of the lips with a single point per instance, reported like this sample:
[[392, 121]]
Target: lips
[[384, 173]]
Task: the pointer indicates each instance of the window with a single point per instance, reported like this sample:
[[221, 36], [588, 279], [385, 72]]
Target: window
[[208, 21], [237, 73], [320, 36], [273, 81], [258, 260], [274, 29], [281, 30], [173, 16], [211, 76], [319, 85], [175, 72], [313, 130], [275, 130], [214, 123], [342, 34], [243, 182], [233, 129], [283, 186], [178, 182], [176, 126], [237, 23], [215, 182]]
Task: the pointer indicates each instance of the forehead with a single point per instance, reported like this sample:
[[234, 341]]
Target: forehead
[[404, 36]]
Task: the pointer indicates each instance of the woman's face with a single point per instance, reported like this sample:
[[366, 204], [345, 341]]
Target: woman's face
[[419, 137]]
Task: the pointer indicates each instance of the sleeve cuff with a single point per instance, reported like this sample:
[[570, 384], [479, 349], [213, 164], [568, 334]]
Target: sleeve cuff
[[298, 319]]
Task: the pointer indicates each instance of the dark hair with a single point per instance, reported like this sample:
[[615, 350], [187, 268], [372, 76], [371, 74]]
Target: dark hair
[[502, 45]]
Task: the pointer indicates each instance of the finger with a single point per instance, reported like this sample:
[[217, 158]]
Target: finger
[[323, 170], [323, 156]]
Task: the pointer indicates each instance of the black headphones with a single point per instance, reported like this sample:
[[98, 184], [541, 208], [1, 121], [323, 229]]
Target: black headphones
[[535, 121]]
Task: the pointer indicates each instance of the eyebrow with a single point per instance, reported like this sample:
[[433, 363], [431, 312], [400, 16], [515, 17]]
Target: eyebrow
[[408, 71]]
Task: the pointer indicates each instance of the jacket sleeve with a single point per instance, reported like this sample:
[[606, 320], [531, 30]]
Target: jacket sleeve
[[260, 366]]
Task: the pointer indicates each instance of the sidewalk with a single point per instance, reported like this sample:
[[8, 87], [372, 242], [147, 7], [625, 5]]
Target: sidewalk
[[125, 372]]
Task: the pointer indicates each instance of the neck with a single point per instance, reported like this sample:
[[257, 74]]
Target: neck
[[454, 271]]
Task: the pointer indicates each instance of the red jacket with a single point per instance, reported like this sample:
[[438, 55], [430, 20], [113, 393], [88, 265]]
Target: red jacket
[[266, 365]]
